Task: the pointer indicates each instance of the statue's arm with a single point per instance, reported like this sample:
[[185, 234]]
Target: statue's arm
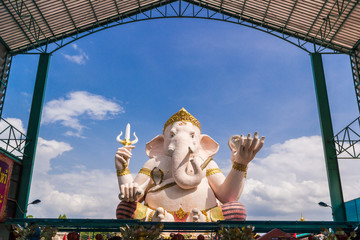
[[143, 175], [243, 151], [134, 190], [122, 160], [226, 189]]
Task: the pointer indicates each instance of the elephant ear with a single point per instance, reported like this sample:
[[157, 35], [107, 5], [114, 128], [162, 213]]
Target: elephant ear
[[155, 147], [208, 147]]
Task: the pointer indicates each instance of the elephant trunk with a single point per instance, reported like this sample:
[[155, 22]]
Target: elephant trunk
[[186, 169]]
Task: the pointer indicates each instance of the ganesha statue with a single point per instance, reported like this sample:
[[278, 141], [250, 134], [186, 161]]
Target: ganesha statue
[[181, 181]]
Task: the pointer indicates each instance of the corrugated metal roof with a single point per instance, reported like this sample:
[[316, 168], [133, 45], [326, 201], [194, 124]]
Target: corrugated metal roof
[[29, 24]]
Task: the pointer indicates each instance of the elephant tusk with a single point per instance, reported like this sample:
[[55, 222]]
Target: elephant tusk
[[136, 139], [190, 150], [118, 137]]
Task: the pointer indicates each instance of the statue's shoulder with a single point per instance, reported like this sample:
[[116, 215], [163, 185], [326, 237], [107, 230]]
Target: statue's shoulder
[[211, 164], [156, 162]]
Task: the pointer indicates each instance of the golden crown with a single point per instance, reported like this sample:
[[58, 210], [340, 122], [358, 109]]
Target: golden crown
[[182, 116]]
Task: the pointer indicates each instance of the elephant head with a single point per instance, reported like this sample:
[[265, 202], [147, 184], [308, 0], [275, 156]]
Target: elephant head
[[185, 147]]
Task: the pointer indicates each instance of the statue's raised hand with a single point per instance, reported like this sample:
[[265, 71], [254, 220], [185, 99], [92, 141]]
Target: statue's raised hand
[[243, 149], [122, 157]]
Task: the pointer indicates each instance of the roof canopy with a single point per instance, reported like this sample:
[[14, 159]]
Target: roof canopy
[[29, 24]]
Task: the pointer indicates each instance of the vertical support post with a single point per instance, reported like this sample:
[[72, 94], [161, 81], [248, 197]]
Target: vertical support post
[[332, 167], [355, 66], [5, 64], [32, 133]]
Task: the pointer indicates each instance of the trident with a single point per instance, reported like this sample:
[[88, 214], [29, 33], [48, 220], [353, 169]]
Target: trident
[[126, 141]]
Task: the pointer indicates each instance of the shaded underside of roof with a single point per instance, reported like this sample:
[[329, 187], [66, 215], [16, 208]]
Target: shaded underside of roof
[[28, 24]]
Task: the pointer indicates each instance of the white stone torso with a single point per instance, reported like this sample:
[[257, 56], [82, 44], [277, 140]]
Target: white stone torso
[[173, 198]]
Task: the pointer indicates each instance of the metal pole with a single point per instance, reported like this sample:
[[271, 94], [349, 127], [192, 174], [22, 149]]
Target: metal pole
[[355, 62], [32, 133], [331, 162]]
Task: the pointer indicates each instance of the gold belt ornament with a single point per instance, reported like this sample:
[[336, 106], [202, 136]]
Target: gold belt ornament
[[161, 188], [180, 214]]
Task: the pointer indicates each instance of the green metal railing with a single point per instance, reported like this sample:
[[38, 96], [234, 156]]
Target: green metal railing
[[12, 140], [347, 141], [113, 225]]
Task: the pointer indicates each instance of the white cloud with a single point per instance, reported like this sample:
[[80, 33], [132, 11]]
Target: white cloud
[[13, 138], [47, 150], [76, 104], [80, 58], [74, 46], [291, 180], [77, 192]]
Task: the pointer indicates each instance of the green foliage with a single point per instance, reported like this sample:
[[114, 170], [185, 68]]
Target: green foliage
[[62, 216], [236, 233], [141, 232], [34, 231]]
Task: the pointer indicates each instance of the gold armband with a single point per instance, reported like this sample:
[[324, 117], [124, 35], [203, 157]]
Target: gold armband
[[212, 171], [240, 167], [145, 171], [123, 172]]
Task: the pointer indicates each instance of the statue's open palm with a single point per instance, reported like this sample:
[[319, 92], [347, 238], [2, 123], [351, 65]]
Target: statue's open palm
[[243, 149]]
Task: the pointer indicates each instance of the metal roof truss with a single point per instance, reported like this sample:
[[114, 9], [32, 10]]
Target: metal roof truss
[[325, 24]]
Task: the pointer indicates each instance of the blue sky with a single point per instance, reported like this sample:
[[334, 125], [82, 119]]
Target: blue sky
[[233, 79]]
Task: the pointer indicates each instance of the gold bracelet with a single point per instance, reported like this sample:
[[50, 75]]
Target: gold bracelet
[[240, 167], [145, 171], [150, 216], [123, 172], [212, 171]]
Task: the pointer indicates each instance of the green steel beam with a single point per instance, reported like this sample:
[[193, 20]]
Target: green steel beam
[[3, 72], [242, 9], [93, 10], [3, 43], [17, 23], [162, 6], [257, 24], [32, 134], [339, 28], [29, 21], [317, 17], [331, 162], [43, 18], [292, 10], [266, 11], [4, 80], [221, 3], [347, 16], [68, 13], [122, 20], [117, 8], [356, 45], [354, 62], [348, 140]]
